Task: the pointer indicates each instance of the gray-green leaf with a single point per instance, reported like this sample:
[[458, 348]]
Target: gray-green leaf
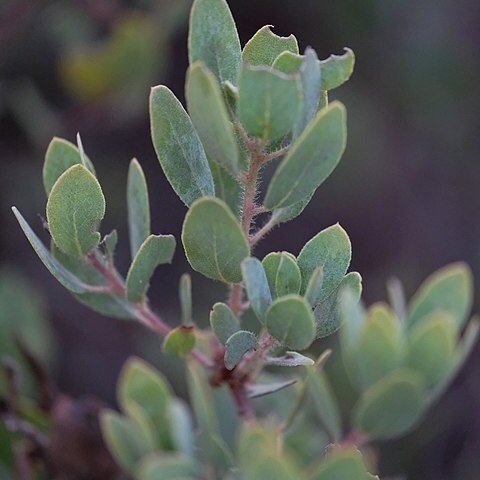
[[223, 322], [290, 359], [282, 273], [213, 39], [311, 158], [290, 320], [257, 287], [214, 241], [237, 346], [264, 47], [313, 292], [268, 103], [155, 250], [138, 207], [74, 209], [330, 249], [337, 69], [60, 156], [209, 115], [178, 147]]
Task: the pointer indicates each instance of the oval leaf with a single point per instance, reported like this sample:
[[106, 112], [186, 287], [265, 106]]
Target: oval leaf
[[330, 249], [290, 320], [179, 342], [166, 467], [311, 158], [178, 147], [213, 39], [60, 156], [214, 241], [138, 207], [282, 273], [74, 209], [288, 62], [313, 292], [226, 188], [210, 117], [155, 250], [337, 69], [223, 322], [449, 290], [342, 464], [391, 407], [257, 287], [237, 346], [268, 102], [264, 47]]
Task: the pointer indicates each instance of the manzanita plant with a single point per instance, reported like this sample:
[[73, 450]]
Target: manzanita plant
[[263, 106]]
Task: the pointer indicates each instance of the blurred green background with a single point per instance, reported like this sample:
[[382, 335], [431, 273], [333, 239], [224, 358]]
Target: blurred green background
[[406, 190]]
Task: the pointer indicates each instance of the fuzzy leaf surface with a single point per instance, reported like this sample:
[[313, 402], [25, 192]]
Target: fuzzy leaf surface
[[223, 322], [282, 273], [257, 287], [237, 346]]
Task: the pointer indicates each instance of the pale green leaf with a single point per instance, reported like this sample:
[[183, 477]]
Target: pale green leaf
[[179, 342], [209, 114], [448, 290], [341, 464], [223, 322], [288, 62], [271, 468], [392, 406], [178, 147], [110, 243], [138, 207], [282, 273], [290, 359], [185, 294], [265, 46], [330, 249], [313, 292], [155, 250], [181, 427], [65, 277], [255, 390], [226, 188], [74, 209], [257, 287], [290, 320], [237, 346], [213, 39], [337, 69], [328, 318], [60, 156], [285, 214], [268, 103], [214, 241], [311, 158], [162, 466]]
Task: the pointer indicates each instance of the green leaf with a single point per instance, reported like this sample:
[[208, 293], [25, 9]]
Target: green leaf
[[328, 318], [255, 441], [138, 207], [185, 294], [214, 241], [60, 156], [213, 39], [178, 147], [237, 346], [342, 464], [257, 287], [256, 390], [74, 209], [311, 158], [379, 348], [210, 117], [271, 468], [431, 347], [264, 47], [223, 322], [124, 439], [141, 383], [112, 305], [142, 423], [313, 292], [288, 62], [110, 242], [65, 277], [330, 249], [337, 69], [448, 290], [285, 214], [290, 320], [155, 250], [352, 316], [268, 102], [290, 359], [325, 404], [179, 342], [282, 273], [226, 188], [392, 406], [310, 77], [166, 467], [181, 427]]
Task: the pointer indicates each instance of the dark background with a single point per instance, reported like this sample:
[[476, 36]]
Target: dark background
[[406, 190]]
